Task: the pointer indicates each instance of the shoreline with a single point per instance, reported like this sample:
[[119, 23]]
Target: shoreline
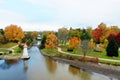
[[108, 70], [10, 57]]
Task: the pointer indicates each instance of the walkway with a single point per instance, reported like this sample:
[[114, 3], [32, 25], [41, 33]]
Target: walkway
[[59, 50]]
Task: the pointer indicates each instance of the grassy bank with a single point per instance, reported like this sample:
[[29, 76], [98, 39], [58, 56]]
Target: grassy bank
[[50, 52], [91, 53], [95, 54], [6, 53], [8, 45]]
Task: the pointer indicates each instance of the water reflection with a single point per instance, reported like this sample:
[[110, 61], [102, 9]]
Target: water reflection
[[39, 67], [74, 70], [25, 62], [51, 65], [12, 61], [83, 75], [6, 64]]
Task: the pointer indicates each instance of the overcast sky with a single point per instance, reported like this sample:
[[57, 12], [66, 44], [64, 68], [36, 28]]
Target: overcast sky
[[42, 15]]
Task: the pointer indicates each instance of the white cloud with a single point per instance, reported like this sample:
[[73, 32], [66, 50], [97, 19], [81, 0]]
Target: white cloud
[[83, 11], [10, 16]]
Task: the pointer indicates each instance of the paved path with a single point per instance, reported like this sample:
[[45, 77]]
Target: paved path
[[59, 50]]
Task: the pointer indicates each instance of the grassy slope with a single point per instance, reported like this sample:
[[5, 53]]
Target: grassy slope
[[92, 53], [8, 45]]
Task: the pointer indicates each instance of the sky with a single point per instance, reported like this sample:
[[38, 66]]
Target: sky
[[40, 15]]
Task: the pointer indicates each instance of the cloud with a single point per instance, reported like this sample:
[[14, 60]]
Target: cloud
[[8, 17], [83, 11]]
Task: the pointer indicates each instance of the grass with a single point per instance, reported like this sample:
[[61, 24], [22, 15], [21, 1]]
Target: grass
[[52, 52], [4, 49], [91, 53], [110, 62], [95, 54], [8, 45]]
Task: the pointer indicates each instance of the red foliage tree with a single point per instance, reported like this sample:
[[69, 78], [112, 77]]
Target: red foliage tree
[[112, 35], [117, 38], [97, 34]]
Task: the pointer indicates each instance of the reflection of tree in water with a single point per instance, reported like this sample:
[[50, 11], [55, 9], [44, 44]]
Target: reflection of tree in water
[[51, 65], [25, 65], [82, 74], [12, 61], [85, 75], [7, 64], [74, 70]]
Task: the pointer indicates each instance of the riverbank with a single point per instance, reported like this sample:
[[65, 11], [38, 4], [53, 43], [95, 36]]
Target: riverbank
[[105, 69], [10, 57]]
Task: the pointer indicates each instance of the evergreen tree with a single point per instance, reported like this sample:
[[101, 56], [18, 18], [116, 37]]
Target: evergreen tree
[[43, 42], [85, 35], [112, 48]]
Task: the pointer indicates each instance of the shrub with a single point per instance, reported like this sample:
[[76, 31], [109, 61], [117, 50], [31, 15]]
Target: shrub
[[70, 48], [112, 48]]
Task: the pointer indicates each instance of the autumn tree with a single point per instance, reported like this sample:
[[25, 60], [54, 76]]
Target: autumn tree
[[114, 29], [14, 33], [74, 33], [117, 38], [62, 35], [74, 43], [51, 41], [100, 33], [105, 43], [34, 34], [91, 44]]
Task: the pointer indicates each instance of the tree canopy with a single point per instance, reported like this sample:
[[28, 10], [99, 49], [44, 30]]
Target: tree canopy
[[14, 33]]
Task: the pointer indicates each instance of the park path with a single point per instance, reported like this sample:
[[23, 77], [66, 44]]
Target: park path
[[59, 50]]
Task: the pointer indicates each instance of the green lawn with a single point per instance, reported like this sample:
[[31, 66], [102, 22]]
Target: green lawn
[[8, 45], [92, 53], [5, 51], [52, 52]]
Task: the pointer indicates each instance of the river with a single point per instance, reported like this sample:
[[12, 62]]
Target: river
[[39, 67]]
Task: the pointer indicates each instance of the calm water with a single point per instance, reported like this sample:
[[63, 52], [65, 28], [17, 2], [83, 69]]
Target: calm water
[[39, 67]]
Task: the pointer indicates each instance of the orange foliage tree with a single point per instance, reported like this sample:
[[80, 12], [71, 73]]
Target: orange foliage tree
[[74, 43], [51, 41], [14, 33]]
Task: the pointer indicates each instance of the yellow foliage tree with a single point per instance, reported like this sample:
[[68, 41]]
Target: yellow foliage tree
[[51, 41], [92, 44], [105, 43], [34, 34], [14, 33]]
